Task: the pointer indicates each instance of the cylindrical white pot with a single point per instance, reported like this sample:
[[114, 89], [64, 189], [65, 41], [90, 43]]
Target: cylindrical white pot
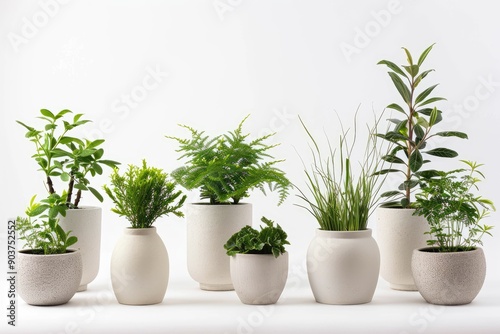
[[343, 266], [259, 279], [48, 279], [208, 229], [453, 278], [398, 234], [139, 267], [85, 224]]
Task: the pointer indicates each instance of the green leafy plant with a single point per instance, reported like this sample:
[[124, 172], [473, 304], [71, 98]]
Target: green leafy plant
[[226, 167], [269, 240], [410, 134], [340, 200], [453, 211], [143, 194], [41, 230], [71, 159]]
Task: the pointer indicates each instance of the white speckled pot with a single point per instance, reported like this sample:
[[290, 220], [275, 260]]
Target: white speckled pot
[[398, 234], [453, 278], [85, 224], [139, 267], [343, 266], [208, 229], [46, 280], [259, 279]]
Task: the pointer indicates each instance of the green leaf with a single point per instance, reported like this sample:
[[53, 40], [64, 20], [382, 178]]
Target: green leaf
[[431, 100], [47, 113], [408, 184], [96, 143], [80, 186], [98, 154], [421, 77], [38, 210], [67, 140], [109, 163], [408, 55], [452, 134], [427, 174], [419, 131], [416, 161], [434, 116], [49, 127], [424, 94], [391, 193], [442, 152], [65, 177], [96, 194], [393, 159], [412, 70], [71, 241], [62, 113], [424, 55], [401, 87], [386, 171], [396, 107], [392, 66]]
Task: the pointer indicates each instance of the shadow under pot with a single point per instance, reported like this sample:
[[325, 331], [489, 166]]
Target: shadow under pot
[[259, 279], [448, 278], [47, 280]]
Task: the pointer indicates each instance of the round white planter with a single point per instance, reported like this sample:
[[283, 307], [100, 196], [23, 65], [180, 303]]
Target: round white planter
[[343, 266], [398, 234], [85, 224], [453, 278], [259, 279], [139, 267], [45, 280], [208, 229]]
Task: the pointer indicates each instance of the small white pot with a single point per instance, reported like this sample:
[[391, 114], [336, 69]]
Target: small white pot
[[398, 234], [343, 266], [208, 229], [46, 280], [85, 224], [139, 267], [259, 279], [453, 278]]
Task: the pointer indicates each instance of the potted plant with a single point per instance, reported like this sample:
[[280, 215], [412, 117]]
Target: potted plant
[[343, 258], [49, 271], [452, 270], [72, 160], [139, 263], [258, 263], [399, 232], [225, 168]]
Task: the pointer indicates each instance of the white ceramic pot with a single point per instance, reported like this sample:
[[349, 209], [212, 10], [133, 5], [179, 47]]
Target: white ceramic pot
[[453, 278], [45, 280], [208, 229], [139, 267], [343, 266], [85, 224], [259, 279], [398, 234]]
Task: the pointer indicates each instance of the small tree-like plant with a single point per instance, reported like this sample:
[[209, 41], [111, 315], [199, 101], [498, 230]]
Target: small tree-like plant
[[68, 158], [453, 210], [410, 134], [143, 194], [226, 167], [269, 240]]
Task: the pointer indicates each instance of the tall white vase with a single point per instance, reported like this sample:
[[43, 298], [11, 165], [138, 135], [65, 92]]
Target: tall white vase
[[398, 234], [85, 224], [343, 266], [139, 267], [208, 229]]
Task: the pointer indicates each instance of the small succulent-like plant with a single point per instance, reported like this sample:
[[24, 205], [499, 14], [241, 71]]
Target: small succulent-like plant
[[453, 210], [143, 194], [269, 240], [227, 167]]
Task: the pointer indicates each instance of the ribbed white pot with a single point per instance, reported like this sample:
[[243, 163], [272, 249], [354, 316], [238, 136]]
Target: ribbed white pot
[[343, 266], [208, 229], [85, 224], [46, 280], [139, 267], [259, 279], [453, 278], [398, 234]]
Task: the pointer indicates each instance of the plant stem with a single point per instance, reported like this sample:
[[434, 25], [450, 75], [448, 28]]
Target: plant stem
[[78, 197]]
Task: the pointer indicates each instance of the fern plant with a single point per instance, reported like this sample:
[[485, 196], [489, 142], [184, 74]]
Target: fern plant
[[227, 167], [143, 194], [269, 240], [41, 230]]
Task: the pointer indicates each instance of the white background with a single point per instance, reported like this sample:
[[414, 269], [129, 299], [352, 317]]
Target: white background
[[217, 61]]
